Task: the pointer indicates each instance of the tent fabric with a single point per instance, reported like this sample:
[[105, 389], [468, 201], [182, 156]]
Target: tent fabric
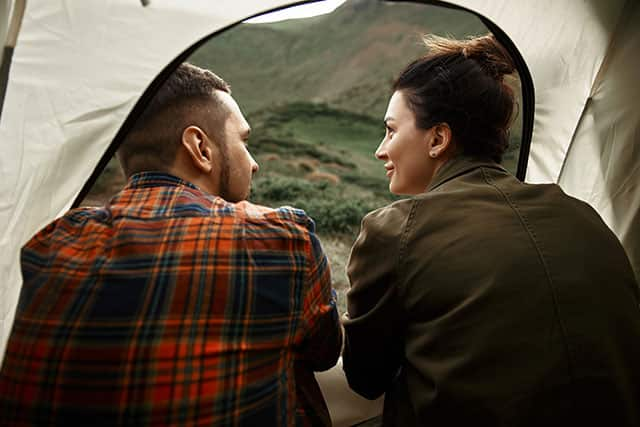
[[80, 67], [602, 166]]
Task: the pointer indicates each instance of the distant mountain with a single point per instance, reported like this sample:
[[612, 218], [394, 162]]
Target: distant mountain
[[345, 59]]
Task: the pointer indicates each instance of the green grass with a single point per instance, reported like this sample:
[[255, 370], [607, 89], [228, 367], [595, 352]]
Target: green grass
[[320, 132]]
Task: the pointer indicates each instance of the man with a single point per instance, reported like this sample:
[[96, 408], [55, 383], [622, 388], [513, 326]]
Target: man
[[178, 303]]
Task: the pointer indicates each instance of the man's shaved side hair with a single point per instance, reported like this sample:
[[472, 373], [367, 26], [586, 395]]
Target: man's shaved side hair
[[188, 97]]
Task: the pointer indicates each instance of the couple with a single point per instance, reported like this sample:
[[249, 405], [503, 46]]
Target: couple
[[480, 300]]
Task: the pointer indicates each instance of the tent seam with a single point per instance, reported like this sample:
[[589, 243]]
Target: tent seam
[[604, 65]]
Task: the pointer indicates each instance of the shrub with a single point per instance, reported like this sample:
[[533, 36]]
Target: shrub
[[335, 216], [288, 148], [323, 176], [332, 207], [280, 189], [306, 165]]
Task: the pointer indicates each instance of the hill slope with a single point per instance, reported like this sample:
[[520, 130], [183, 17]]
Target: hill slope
[[346, 59]]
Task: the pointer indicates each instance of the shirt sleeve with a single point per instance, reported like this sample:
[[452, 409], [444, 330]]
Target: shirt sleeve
[[374, 323], [323, 340]]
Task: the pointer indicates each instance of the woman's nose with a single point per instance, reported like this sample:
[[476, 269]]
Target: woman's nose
[[381, 152]]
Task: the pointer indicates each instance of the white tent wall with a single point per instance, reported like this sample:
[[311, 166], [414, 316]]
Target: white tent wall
[[602, 166], [78, 69]]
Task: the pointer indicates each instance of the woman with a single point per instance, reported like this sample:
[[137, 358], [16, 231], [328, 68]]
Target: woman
[[482, 300]]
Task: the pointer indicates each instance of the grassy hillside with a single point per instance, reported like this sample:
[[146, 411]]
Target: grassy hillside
[[346, 58], [320, 159]]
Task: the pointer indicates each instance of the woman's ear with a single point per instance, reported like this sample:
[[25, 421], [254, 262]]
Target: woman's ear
[[440, 141], [196, 143]]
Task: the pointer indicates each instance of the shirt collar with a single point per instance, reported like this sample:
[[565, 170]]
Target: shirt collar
[[156, 179], [458, 166]]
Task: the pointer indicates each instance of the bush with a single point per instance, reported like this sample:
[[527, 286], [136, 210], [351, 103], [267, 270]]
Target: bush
[[332, 207], [282, 189], [335, 216], [290, 148]]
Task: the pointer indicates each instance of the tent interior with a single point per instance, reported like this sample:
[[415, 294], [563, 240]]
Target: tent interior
[[64, 114]]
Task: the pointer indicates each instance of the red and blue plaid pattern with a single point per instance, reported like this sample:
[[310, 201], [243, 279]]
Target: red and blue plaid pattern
[[171, 307]]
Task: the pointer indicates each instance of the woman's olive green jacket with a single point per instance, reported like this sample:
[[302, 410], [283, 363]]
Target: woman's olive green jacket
[[488, 302]]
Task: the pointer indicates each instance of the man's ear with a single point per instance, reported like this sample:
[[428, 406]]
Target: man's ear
[[195, 141], [440, 141]]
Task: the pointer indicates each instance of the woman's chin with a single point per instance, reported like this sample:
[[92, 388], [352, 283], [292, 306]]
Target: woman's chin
[[396, 189], [391, 188], [399, 190]]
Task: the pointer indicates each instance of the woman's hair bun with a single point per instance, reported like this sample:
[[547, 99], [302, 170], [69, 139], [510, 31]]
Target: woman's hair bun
[[461, 83], [485, 50]]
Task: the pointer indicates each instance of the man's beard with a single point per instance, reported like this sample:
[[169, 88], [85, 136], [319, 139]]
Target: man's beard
[[225, 171]]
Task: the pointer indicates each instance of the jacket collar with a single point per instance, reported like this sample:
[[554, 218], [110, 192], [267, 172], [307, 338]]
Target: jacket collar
[[458, 166], [157, 179]]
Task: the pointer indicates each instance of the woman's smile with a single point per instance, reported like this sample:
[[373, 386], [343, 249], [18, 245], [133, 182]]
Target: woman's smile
[[389, 167]]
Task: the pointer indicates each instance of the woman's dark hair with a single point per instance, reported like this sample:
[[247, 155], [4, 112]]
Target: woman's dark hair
[[461, 83]]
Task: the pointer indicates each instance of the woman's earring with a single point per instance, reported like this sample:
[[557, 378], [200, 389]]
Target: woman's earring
[[433, 154]]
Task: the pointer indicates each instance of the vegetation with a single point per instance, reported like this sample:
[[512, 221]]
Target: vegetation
[[313, 157]]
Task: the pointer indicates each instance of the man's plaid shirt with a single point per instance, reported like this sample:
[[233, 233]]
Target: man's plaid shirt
[[171, 307]]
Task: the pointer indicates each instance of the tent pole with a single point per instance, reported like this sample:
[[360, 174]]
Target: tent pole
[[7, 54]]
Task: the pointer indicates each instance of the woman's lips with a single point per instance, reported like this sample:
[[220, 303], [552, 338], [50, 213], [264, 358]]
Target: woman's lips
[[389, 170]]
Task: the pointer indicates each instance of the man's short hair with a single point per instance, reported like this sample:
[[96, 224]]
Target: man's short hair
[[187, 97]]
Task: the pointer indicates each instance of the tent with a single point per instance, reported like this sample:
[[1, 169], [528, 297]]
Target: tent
[[82, 71]]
